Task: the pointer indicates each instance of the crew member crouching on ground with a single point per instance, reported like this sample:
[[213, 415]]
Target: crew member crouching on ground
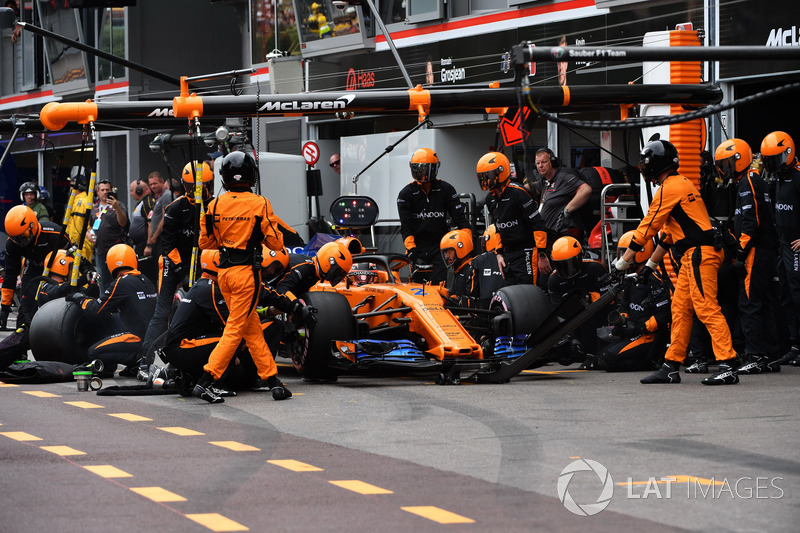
[[133, 296], [57, 284], [643, 326], [486, 275], [587, 279]]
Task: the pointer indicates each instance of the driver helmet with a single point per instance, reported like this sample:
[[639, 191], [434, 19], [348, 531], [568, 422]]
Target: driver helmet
[[363, 273]]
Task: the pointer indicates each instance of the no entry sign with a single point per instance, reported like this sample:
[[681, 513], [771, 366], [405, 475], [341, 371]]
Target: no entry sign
[[311, 153]]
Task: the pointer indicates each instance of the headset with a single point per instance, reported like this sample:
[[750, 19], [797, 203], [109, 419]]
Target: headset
[[553, 159], [138, 190]]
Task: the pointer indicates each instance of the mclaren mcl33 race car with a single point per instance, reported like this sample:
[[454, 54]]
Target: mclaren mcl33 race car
[[417, 328]]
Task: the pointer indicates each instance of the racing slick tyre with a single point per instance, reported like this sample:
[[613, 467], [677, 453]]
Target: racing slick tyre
[[61, 331], [528, 306], [311, 354]]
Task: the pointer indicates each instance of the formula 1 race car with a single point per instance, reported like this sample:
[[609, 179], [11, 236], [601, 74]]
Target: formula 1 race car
[[417, 328]]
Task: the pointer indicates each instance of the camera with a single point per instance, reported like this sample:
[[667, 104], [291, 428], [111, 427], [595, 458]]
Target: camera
[[112, 193]]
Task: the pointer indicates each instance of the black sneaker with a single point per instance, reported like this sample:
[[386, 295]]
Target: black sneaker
[[795, 361], [770, 365], [129, 371], [278, 389], [668, 373], [590, 363], [205, 391], [726, 375], [698, 367], [788, 357], [751, 365], [219, 391]]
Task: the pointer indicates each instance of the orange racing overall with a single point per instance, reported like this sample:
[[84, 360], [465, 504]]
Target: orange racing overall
[[236, 223], [678, 208]]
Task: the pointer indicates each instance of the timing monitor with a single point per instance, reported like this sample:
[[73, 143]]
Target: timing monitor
[[354, 211]]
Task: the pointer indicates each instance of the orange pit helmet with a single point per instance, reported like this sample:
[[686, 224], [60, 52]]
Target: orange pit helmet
[[188, 175], [777, 151], [493, 170], [273, 262], [121, 256], [642, 255], [424, 165], [455, 246], [567, 257], [491, 239], [333, 262], [22, 225], [733, 157], [62, 264], [209, 262]]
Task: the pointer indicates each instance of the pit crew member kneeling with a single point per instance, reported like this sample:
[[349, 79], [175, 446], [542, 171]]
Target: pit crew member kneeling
[[133, 296], [585, 278], [642, 322]]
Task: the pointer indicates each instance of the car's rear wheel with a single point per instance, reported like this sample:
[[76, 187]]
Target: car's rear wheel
[[528, 306], [312, 354]]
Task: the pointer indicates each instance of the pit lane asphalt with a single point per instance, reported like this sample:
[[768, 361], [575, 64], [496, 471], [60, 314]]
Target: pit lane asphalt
[[400, 454]]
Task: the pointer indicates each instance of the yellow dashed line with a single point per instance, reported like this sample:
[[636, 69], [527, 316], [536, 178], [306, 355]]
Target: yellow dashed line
[[295, 466], [107, 471], [183, 432], [235, 446], [157, 494], [216, 522], [438, 515], [85, 405], [19, 435], [130, 417], [676, 479], [8, 384], [360, 487], [62, 450], [41, 394]]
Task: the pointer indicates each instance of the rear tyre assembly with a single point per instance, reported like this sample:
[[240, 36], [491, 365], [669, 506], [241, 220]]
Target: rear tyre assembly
[[528, 306], [311, 355]]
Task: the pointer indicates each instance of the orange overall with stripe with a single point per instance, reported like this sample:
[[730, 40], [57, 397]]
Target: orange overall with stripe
[[678, 209], [237, 223]]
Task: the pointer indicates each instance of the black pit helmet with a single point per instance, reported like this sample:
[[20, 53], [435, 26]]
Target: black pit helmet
[[238, 171], [656, 158]]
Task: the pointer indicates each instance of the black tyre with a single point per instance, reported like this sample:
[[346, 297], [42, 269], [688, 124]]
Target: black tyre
[[528, 305], [61, 331], [312, 354]]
